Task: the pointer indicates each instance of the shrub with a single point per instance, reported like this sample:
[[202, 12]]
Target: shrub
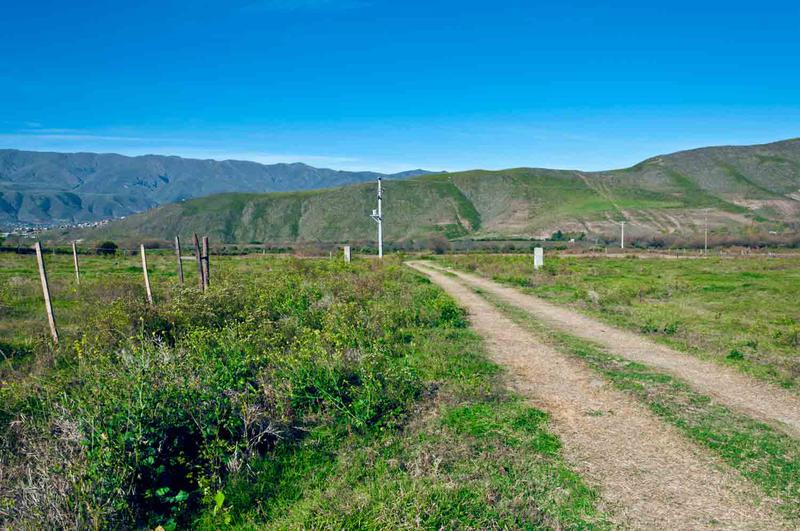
[[106, 248], [735, 354], [789, 337], [439, 244], [142, 417], [671, 328], [155, 244]]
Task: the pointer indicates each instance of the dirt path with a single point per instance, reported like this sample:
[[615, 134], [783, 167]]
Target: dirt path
[[760, 400], [647, 472]]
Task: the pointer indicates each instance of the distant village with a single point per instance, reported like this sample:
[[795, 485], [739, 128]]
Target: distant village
[[25, 230]]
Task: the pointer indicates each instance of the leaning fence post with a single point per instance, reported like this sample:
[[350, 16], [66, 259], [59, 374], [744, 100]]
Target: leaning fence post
[[146, 276], [205, 263], [199, 259], [51, 318], [75, 261], [178, 257]]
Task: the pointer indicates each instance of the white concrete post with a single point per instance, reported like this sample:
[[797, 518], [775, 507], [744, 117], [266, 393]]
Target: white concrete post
[[538, 257], [346, 254]]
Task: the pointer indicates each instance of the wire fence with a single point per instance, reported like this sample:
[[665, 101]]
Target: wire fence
[[200, 252], [201, 256]]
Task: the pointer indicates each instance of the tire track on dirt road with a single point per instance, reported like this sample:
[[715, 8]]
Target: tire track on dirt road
[[761, 400], [648, 473]]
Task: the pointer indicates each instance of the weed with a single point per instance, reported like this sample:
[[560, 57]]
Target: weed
[[289, 388]]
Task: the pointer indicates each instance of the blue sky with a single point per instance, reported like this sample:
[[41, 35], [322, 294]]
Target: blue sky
[[391, 85]]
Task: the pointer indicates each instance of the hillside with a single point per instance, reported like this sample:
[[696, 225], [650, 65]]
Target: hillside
[[738, 189], [45, 188]]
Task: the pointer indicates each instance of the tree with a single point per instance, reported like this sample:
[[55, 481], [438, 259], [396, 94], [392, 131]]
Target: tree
[[439, 244], [106, 248]]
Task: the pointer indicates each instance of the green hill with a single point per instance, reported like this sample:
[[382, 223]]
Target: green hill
[[47, 188], [738, 189]]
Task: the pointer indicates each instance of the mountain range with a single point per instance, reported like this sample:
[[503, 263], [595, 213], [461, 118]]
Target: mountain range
[[733, 189], [48, 188]]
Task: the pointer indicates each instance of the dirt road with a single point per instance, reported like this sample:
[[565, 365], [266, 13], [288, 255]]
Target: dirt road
[[648, 473], [761, 400]]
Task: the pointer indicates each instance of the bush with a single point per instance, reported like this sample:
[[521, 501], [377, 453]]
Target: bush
[[439, 244], [143, 417], [106, 248], [155, 244], [735, 354]]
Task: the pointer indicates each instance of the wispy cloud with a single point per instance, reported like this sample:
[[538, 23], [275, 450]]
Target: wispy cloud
[[69, 137], [338, 162], [134, 144], [265, 157], [39, 130]]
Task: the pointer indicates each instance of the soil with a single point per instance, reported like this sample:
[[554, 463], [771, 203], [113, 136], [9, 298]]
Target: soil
[[761, 400], [649, 475]]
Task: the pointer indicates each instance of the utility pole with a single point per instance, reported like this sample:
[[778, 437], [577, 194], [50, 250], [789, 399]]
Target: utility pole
[[622, 235], [377, 215]]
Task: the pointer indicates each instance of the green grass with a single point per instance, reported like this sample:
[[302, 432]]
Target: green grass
[[475, 457], [752, 188], [23, 321], [695, 196], [713, 308], [294, 393], [465, 209], [769, 458]]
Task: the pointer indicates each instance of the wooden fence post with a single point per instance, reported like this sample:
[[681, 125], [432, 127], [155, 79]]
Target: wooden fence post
[[51, 318], [146, 276], [201, 280], [205, 263], [75, 261], [178, 257]]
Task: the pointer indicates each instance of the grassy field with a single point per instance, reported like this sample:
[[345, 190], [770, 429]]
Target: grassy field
[[739, 312], [295, 393], [24, 322]]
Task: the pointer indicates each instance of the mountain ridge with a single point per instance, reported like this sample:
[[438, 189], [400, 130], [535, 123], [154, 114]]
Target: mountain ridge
[[738, 189], [45, 187]]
